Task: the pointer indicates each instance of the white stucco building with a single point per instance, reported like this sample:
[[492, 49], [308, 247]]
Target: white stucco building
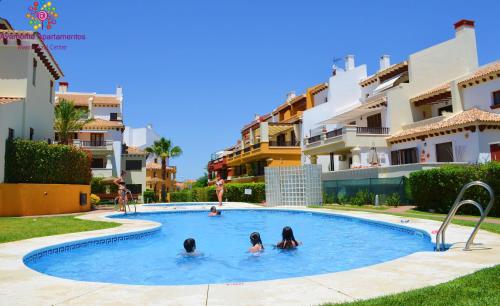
[[27, 75], [435, 106], [102, 135]]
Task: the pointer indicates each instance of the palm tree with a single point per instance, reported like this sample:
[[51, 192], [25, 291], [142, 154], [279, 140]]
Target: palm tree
[[164, 149], [68, 119]]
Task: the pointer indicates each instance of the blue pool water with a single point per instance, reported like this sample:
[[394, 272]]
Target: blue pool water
[[330, 243]]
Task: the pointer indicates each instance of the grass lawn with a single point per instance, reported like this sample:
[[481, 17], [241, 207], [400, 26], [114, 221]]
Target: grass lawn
[[13, 229], [490, 227], [480, 288]]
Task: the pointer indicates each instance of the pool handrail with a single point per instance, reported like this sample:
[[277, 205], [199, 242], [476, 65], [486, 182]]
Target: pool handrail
[[440, 236]]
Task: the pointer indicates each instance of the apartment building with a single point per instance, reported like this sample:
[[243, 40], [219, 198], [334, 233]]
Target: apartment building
[[271, 140], [406, 113], [27, 75]]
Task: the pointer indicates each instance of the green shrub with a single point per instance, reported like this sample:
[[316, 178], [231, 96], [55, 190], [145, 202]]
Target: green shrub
[[392, 199], [233, 193], [436, 189], [342, 198], [149, 196], [363, 197], [96, 185], [38, 162]]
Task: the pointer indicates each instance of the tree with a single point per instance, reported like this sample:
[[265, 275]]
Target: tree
[[68, 120], [202, 181], [164, 149]]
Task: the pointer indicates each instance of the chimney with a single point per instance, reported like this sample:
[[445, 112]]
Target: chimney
[[63, 87], [119, 92], [385, 62], [349, 62], [290, 96], [463, 24]]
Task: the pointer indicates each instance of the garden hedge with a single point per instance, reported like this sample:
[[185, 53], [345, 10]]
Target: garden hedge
[[437, 189], [39, 162], [234, 193]]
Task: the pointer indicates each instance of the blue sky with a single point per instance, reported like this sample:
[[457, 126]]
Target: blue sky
[[199, 70]]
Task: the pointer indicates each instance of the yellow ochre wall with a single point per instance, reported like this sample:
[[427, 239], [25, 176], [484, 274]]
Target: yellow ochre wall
[[41, 199]]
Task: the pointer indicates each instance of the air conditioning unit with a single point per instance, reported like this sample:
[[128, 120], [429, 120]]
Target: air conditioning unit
[[342, 157]]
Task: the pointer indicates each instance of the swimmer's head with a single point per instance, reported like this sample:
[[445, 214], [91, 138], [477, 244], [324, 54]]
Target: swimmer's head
[[190, 245], [255, 238], [213, 209]]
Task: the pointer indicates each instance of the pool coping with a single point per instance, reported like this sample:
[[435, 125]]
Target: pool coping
[[22, 285]]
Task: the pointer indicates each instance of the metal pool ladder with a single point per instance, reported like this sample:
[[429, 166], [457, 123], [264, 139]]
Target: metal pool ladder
[[459, 202]]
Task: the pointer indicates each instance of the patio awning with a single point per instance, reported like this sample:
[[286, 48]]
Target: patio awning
[[351, 115]]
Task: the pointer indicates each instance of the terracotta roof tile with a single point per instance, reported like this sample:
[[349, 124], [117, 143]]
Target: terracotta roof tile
[[157, 166], [7, 100], [105, 100], [136, 150], [101, 124], [78, 99], [472, 116], [432, 92], [318, 88], [493, 68], [381, 73]]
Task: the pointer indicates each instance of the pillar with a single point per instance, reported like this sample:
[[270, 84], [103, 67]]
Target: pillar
[[356, 156], [314, 159]]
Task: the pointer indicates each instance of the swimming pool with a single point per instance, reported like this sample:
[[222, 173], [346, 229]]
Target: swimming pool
[[330, 243], [180, 204]]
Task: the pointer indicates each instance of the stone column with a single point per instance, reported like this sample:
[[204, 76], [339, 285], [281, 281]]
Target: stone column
[[109, 162]]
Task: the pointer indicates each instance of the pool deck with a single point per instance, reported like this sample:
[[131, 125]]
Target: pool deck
[[23, 286]]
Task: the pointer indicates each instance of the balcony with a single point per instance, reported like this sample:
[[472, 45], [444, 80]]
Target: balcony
[[94, 145], [345, 138], [263, 151]]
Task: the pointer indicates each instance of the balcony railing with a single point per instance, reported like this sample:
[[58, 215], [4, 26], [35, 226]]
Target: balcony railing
[[247, 149], [284, 144], [256, 146], [335, 133], [237, 153], [372, 130], [314, 139]]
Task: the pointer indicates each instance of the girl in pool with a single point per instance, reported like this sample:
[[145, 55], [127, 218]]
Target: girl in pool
[[219, 188], [213, 212], [257, 245], [190, 246], [288, 239]]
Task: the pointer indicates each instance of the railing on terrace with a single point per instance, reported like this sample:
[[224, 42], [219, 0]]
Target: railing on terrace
[[247, 149], [93, 143], [284, 144], [237, 153], [314, 139], [256, 146], [372, 130], [335, 133]]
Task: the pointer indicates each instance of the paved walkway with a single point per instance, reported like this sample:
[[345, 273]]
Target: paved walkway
[[400, 209]]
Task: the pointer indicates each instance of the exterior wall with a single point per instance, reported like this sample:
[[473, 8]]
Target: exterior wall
[[14, 72], [140, 137], [39, 112], [135, 176], [42, 199], [10, 115], [321, 97], [429, 68], [480, 95], [104, 112], [486, 138]]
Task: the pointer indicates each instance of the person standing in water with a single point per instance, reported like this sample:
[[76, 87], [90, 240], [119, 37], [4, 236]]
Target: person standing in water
[[288, 239], [219, 188], [256, 242]]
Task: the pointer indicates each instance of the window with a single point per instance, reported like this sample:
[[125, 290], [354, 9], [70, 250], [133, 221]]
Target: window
[[374, 121], [496, 99], [96, 140], [294, 139], [134, 188], [33, 79], [133, 164], [404, 156], [97, 163], [444, 152], [51, 91], [332, 162], [113, 116], [11, 134], [448, 109], [32, 133]]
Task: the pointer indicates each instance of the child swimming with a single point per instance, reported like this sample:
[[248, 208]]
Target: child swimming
[[257, 245], [190, 246], [213, 212], [288, 239]]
